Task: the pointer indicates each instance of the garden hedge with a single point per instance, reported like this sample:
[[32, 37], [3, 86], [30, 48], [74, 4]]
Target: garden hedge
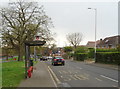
[[107, 50], [108, 57], [91, 53], [80, 56]]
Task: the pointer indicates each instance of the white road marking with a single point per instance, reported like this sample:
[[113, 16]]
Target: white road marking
[[67, 79], [98, 79], [60, 72], [109, 78], [79, 67], [83, 77], [77, 77], [114, 86], [61, 76], [72, 77], [66, 85]]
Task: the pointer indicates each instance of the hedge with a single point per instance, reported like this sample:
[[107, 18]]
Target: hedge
[[106, 50], [108, 57], [91, 53], [80, 56]]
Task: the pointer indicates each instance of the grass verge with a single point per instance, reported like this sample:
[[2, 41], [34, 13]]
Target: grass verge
[[12, 73]]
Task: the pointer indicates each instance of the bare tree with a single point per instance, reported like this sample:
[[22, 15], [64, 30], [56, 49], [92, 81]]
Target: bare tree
[[74, 39], [21, 21]]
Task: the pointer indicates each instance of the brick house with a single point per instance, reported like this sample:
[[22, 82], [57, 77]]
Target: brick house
[[109, 42]]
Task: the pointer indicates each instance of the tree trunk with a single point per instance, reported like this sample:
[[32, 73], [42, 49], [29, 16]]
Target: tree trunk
[[20, 53], [6, 54], [75, 46]]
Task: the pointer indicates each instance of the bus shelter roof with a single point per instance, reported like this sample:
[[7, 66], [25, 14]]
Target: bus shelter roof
[[35, 43]]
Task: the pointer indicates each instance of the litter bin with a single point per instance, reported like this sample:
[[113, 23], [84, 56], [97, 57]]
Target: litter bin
[[31, 62]]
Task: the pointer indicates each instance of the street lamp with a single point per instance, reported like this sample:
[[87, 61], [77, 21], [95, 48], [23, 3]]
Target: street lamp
[[95, 26]]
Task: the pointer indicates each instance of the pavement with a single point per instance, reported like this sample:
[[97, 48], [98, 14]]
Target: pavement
[[108, 66], [41, 77]]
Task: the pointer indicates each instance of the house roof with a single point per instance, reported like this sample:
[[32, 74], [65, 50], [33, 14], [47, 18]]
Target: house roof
[[90, 44], [114, 40]]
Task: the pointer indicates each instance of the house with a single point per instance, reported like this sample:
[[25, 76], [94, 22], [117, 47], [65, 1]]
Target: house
[[109, 42], [90, 44]]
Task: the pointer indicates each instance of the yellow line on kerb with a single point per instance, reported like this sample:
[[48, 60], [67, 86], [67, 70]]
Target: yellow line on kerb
[[58, 81], [52, 78]]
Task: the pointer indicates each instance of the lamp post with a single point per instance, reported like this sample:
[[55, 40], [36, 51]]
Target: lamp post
[[95, 26]]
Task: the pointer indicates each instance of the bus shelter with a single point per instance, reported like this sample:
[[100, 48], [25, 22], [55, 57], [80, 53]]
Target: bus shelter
[[27, 53]]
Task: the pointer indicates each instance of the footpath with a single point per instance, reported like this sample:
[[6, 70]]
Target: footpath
[[41, 77], [108, 66]]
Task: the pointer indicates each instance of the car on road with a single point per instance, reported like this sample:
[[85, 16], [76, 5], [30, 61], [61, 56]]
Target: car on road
[[43, 58], [49, 57], [58, 60]]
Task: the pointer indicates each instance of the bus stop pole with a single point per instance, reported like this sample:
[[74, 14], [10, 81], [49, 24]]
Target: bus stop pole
[[35, 53], [27, 61]]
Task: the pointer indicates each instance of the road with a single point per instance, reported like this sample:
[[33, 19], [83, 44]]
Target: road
[[80, 74]]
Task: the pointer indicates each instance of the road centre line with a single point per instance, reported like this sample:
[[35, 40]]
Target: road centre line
[[109, 78]]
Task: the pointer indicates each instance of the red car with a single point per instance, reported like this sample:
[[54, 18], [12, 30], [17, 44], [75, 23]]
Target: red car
[[58, 60]]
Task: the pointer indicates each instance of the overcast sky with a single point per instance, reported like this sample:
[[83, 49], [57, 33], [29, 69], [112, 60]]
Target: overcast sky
[[73, 16], [70, 17]]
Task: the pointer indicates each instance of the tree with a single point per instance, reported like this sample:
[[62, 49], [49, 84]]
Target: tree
[[21, 21], [74, 39], [68, 52]]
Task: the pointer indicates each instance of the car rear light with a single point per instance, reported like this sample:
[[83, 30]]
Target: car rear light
[[62, 59], [55, 59]]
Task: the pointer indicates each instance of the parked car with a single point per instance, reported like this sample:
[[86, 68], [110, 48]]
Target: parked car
[[43, 58], [58, 60], [49, 57]]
